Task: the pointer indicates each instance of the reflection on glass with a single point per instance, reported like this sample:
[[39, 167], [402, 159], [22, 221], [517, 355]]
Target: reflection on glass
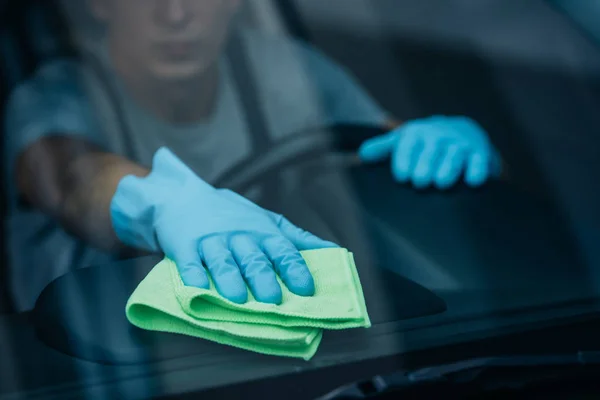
[[204, 131]]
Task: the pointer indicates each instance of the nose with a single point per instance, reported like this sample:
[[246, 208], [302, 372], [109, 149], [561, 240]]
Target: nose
[[174, 12]]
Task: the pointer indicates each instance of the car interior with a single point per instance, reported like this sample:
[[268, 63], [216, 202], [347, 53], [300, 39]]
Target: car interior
[[517, 254]]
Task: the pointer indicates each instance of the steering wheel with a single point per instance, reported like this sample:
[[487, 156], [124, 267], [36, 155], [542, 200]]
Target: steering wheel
[[339, 142], [298, 161]]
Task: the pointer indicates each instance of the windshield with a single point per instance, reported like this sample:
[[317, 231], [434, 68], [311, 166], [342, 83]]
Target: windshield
[[358, 178]]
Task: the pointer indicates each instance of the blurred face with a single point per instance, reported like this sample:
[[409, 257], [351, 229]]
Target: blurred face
[[166, 39]]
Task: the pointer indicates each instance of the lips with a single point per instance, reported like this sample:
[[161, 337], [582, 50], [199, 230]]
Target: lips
[[177, 50]]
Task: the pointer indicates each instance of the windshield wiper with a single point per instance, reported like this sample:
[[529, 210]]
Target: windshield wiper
[[474, 376]]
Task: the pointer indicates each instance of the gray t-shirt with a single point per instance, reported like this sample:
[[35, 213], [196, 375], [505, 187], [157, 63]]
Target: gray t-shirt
[[298, 89]]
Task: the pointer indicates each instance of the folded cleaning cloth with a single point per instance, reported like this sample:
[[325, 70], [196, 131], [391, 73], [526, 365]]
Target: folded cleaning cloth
[[294, 328]]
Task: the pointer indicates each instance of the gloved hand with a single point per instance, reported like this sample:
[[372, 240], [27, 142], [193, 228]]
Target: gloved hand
[[203, 229], [436, 150]]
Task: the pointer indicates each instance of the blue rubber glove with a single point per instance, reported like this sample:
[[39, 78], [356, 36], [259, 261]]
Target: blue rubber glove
[[436, 150], [203, 229]]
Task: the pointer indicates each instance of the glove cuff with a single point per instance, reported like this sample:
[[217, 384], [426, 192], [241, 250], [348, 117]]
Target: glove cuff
[[132, 214], [133, 206]]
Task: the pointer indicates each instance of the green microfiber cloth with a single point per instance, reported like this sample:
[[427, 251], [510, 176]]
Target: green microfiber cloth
[[294, 328]]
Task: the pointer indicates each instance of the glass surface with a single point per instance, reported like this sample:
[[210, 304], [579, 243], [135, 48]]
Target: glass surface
[[275, 100]]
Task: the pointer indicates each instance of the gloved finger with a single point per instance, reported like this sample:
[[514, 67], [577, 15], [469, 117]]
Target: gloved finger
[[426, 165], [290, 265], [406, 153], [300, 238], [256, 269], [378, 148], [223, 269], [450, 167], [478, 169], [189, 265]]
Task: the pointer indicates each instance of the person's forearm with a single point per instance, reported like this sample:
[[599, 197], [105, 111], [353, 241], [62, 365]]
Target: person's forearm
[[85, 209], [75, 183]]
